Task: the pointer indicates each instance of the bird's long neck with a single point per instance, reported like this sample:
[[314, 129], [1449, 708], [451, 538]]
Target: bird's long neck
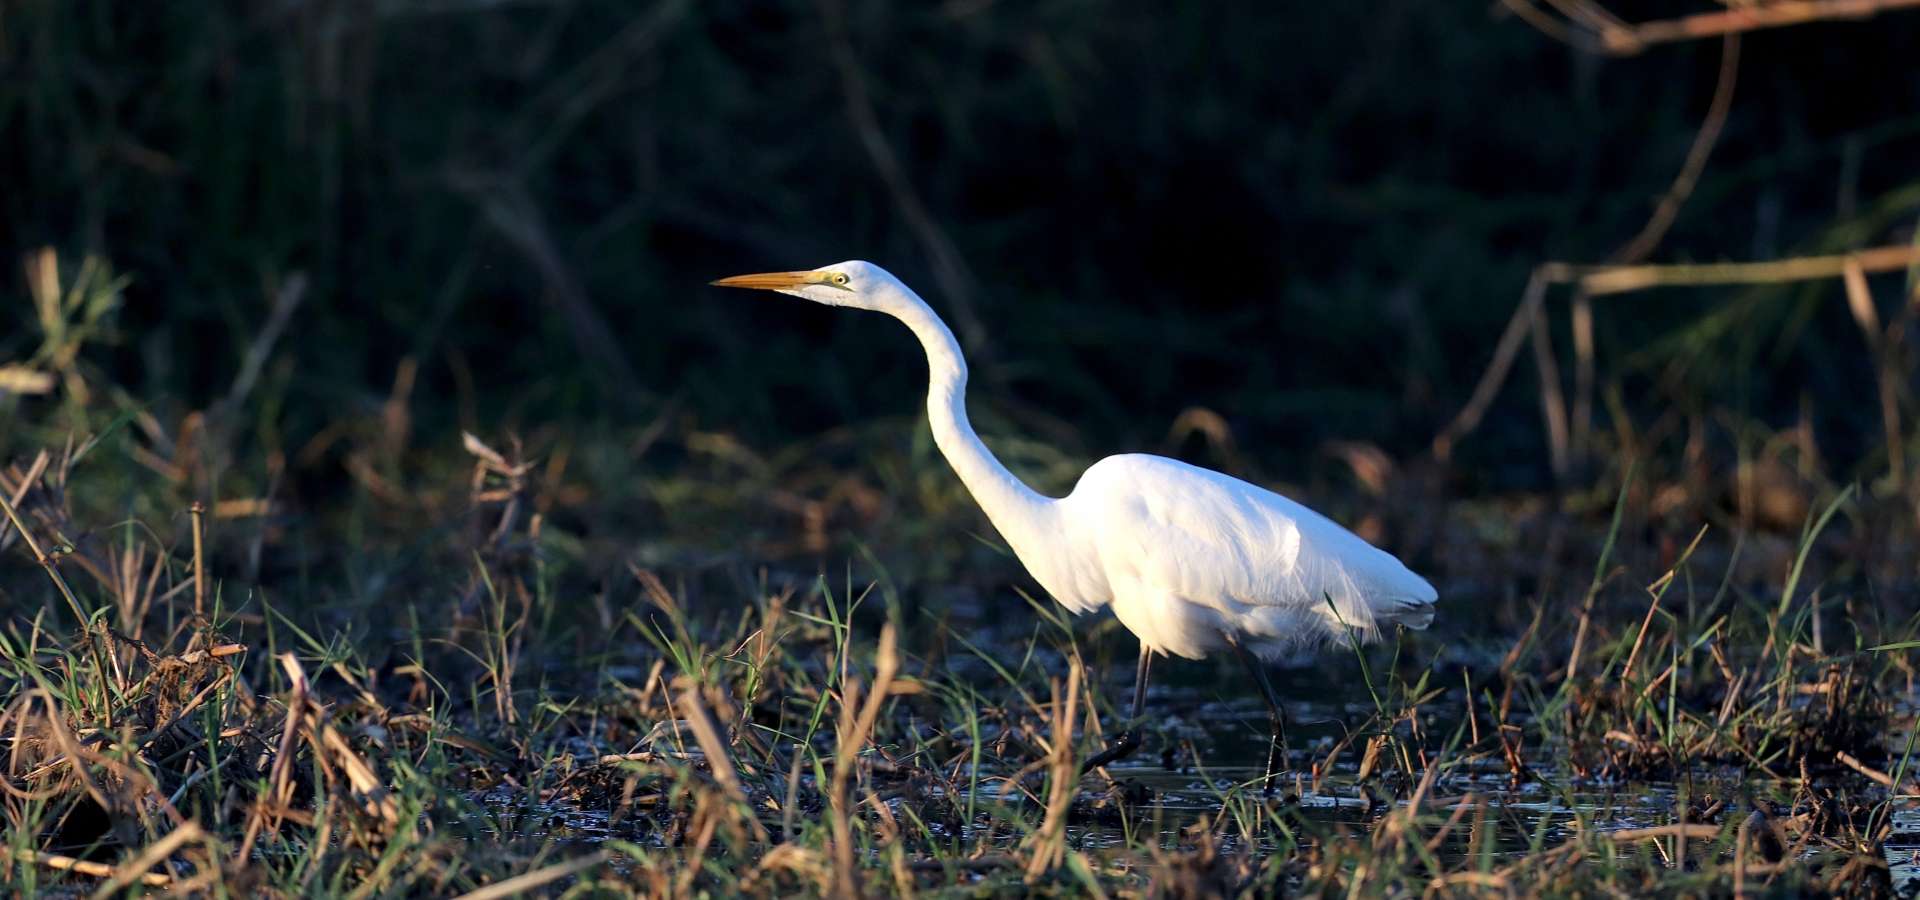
[[1018, 512]]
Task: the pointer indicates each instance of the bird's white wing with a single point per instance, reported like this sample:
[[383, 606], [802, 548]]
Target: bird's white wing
[[1267, 565]]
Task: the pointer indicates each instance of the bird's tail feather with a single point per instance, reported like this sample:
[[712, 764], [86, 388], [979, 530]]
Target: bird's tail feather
[[1409, 612]]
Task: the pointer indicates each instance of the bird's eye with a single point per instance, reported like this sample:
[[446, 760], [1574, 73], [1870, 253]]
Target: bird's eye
[[840, 278]]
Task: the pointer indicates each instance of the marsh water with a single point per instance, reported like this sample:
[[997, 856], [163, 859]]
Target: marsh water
[[1207, 732]]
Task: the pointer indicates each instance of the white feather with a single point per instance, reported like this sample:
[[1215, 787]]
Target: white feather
[[1192, 557]]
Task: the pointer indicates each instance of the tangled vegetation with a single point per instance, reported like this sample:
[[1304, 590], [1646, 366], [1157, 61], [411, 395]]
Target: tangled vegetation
[[1673, 725]]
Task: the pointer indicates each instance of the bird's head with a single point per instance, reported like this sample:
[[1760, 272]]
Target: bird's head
[[854, 283]]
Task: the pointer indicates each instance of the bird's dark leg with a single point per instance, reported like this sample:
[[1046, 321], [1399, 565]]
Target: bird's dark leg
[[1277, 744], [1129, 740]]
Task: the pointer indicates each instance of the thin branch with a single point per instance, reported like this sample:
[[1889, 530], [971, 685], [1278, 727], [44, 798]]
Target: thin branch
[[1703, 142], [286, 299], [1553, 402], [513, 213], [77, 865], [1602, 280], [1779, 13], [1595, 17], [1525, 11], [1642, 244], [140, 868], [1678, 830], [1504, 353], [1860, 300]]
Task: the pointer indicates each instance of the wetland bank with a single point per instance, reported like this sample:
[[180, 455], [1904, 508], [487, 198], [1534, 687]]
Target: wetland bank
[[1680, 713]]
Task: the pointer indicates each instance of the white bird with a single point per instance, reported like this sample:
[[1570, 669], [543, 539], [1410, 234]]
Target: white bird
[[1190, 560]]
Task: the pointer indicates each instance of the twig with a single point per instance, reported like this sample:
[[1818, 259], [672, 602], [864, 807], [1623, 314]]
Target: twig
[[512, 212], [1704, 140], [193, 656], [27, 482], [1602, 280], [1553, 401], [1752, 17], [1048, 843], [279, 785], [1490, 881], [1544, 23], [1595, 17], [188, 708], [719, 762], [715, 749], [1504, 353], [285, 301], [1860, 301], [77, 866], [1642, 244], [199, 511], [855, 726], [366, 786], [1580, 315], [1873, 774], [1633, 655], [1678, 829], [140, 868]]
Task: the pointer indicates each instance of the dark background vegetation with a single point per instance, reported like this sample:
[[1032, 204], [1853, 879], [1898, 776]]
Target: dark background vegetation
[[1310, 219]]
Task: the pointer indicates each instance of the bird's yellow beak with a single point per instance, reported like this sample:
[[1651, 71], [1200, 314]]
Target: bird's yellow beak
[[772, 281]]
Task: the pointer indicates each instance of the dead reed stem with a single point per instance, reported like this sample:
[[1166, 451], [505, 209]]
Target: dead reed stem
[[1601, 280], [719, 761], [1553, 401], [1677, 830], [26, 482], [855, 727], [1596, 281], [199, 511], [1872, 774], [1049, 843], [1860, 302], [280, 780], [1642, 244], [77, 866], [141, 867]]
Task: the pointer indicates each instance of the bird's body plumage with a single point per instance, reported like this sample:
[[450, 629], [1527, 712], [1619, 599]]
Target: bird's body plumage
[[1190, 560]]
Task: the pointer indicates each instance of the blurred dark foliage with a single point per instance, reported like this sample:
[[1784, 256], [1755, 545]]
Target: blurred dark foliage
[[1311, 218]]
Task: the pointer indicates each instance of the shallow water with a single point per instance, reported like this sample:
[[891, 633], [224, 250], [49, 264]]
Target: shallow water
[[1212, 712], [1516, 820]]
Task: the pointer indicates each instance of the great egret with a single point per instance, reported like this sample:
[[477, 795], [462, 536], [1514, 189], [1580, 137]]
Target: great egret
[[1190, 560]]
